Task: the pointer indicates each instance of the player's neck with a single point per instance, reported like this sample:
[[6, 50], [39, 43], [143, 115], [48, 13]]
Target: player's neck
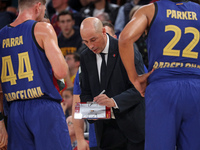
[[22, 17]]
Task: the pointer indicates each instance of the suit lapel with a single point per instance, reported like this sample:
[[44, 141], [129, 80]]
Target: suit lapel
[[92, 69], [113, 54], [112, 57]]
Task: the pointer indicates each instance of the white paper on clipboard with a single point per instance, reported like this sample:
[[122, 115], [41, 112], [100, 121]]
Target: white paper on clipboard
[[91, 110]]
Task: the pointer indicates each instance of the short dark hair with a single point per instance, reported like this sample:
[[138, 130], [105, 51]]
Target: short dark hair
[[29, 2], [106, 23], [65, 12], [70, 89], [76, 57]]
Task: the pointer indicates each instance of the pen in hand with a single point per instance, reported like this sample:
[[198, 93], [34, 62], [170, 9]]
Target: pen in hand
[[98, 95], [102, 92]]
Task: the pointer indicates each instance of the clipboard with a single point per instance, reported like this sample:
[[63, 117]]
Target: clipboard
[[91, 110]]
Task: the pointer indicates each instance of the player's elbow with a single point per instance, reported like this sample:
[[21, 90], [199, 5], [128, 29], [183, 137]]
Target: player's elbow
[[61, 71], [123, 39], [60, 75]]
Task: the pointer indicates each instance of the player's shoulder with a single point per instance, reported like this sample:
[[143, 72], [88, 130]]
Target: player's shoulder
[[146, 10], [43, 27], [148, 7]]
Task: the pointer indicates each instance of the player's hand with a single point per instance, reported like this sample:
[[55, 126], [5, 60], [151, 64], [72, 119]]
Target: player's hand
[[104, 100], [3, 136], [82, 145], [4, 148], [141, 82]]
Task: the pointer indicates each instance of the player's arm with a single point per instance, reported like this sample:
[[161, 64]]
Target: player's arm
[[68, 81], [47, 39], [131, 33], [3, 132], [79, 127]]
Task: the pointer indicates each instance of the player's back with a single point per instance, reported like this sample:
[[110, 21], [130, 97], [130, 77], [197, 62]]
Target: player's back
[[173, 41], [24, 68]]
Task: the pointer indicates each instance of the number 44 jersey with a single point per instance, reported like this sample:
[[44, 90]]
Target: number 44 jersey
[[24, 68], [173, 41]]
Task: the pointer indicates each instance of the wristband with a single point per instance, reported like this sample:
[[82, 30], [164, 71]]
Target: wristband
[[1, 116]]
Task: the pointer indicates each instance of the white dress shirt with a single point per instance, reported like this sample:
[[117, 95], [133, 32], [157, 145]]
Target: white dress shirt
[[99, 58], [99, 61]]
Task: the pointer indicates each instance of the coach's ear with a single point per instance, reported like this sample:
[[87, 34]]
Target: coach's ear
[[104, 30]]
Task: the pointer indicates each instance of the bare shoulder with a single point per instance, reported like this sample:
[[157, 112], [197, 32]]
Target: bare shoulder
[[43, 33], [147, 7], [148, 11], [43, 28]]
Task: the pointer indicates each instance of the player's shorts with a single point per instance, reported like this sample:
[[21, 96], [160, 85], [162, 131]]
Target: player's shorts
[[173, 115], [37, 125]]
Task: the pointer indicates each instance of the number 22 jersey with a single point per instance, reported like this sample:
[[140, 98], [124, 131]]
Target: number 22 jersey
[[173, 41]]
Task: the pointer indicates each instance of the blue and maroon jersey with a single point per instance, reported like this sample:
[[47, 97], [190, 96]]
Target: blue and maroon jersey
[[24, 68], [173, 40]]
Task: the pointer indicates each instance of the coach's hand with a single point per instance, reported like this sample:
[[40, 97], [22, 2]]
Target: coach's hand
[[104, 100]]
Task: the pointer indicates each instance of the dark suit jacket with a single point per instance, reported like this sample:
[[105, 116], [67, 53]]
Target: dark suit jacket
[[129, 122]]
